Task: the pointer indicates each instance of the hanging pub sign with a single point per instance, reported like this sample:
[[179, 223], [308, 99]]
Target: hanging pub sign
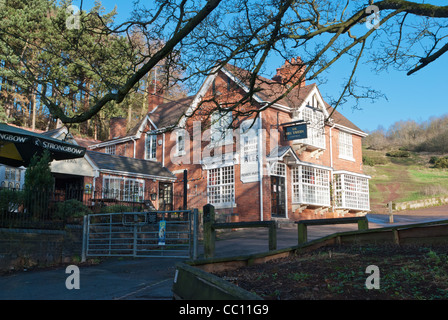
[[295, 132]]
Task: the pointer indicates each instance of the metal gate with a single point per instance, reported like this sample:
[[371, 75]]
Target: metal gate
[[171, 234]]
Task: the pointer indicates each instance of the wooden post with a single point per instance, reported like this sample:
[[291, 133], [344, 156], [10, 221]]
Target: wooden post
[[273, 236], [363, 224], [209, 231], [302, 233], [391, 215]]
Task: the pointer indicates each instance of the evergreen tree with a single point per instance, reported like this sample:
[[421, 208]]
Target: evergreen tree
[[38, 185]]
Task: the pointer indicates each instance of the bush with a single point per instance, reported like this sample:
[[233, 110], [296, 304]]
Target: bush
[[399, 154], [433, 190], [10, 200], [441, 163], [372, 161], [117, 208], [71, 209], [433, 159]]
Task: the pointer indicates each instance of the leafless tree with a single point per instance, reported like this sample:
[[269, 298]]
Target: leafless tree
[[196, 38]]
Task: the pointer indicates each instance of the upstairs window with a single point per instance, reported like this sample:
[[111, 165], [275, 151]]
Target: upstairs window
[[180, 142], [315, 128], [111, 149], [150, 148], [345, 145], [219, 131]]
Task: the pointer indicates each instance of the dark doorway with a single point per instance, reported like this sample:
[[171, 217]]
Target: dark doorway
[[278, 208], [68, 186], [165, 196]]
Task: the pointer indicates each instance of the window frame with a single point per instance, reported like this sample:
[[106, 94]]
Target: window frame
[[111, 149], [351, 191], [221, 193], [311, 185], [345, 141], [151, 146], [315, 126], [221, 120]]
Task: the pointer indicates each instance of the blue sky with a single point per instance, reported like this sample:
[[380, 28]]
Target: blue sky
[[418, 97]]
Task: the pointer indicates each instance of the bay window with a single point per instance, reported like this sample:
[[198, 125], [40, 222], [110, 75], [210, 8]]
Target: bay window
[[351, 191], [311, 185]]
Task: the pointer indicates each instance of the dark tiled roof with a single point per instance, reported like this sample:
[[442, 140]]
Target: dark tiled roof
[[340, 119], [169, 114], [166, 115], [270, 90], [106, 161]]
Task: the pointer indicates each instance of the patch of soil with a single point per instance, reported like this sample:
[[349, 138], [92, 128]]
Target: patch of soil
[[405, 272]]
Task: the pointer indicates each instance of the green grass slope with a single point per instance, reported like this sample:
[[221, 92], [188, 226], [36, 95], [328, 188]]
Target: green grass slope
[[407, 178]]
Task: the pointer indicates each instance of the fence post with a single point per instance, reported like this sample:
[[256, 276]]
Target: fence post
[[391, 215], [302, 233], [272, 236], [363, 224], [195, 234], [209, 231], [84, 239]]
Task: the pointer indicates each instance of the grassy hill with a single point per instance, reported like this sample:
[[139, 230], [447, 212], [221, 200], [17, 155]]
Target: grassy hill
[[406, 178]]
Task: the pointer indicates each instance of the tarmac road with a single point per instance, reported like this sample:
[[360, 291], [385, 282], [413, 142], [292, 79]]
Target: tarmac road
[[151, 278]]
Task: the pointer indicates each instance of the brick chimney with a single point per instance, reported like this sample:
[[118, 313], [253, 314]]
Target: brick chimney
[[290, 72], [156, 92], [117, 127]]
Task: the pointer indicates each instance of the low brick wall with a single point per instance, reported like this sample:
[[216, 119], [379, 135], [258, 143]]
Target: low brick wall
[[27, 248], [418, 204]]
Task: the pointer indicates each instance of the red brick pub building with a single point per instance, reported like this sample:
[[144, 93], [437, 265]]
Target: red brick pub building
[[253, 172]]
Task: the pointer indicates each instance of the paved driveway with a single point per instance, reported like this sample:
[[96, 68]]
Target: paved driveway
[[151, 278]]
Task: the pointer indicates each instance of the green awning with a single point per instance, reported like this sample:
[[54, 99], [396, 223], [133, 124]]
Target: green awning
[[17, 146]]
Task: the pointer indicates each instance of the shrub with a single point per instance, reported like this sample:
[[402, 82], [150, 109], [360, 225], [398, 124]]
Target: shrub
[[71, 209], [372, 161], [433, 190], [398, 154], [441, 163], [117, 208], [10, 200], [433, 159]]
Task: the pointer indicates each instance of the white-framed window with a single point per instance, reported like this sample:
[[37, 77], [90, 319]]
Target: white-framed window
[[315, 126], [219, 130], [345, 145], [112, 188], [123, 189], [221, 186], [351, 192], [278, 169], [311, 185], [150, 146], [12, 178], [111, 149], [133, 190]]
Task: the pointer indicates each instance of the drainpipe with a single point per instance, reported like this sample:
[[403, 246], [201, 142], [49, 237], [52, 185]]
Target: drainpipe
[[331, 164], [134, 145], [260, 164], [163, 150], [331, 146]]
